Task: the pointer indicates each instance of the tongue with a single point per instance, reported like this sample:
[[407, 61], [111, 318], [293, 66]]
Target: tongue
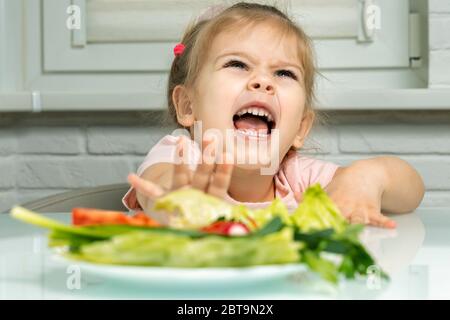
[[251, 123]]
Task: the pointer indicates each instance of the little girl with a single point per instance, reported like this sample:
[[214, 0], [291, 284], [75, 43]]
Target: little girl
[[249, 70]]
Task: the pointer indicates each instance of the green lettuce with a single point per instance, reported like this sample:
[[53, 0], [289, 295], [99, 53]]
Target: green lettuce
[[255, 219], [318, 212], [192, 209], [152, 249], [314, 234]]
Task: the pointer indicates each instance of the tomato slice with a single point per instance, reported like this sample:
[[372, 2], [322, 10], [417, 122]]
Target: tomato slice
[[141, 219], [228, 228], [90, 216]]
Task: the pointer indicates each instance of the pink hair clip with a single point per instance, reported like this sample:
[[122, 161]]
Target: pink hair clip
[[178, 50]]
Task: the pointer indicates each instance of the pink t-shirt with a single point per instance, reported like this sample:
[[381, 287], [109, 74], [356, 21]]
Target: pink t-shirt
[[296, 173]]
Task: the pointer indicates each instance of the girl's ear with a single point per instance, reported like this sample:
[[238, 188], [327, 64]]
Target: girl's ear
[[183, 106], [304, 129]]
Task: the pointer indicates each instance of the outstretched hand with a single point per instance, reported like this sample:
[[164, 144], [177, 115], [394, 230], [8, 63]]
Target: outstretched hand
[[210, 177]]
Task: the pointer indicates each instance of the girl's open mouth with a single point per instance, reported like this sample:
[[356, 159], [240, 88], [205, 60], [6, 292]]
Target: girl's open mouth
[[254, 121]]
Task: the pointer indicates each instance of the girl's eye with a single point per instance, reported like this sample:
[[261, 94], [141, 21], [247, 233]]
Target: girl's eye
[[241, 65], [235, 63], [287, 73]]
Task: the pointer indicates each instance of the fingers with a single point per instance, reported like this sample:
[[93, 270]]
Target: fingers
[[362, 212], [346, 211], [373, 218], [358, 219], [298, 196], [382, 221], [205, 169], [182, 173], [221, 180], [181, 176], [144, 187], [209, 177]]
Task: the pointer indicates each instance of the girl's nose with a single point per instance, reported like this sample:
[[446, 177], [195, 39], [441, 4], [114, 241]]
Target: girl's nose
[[261, 84]]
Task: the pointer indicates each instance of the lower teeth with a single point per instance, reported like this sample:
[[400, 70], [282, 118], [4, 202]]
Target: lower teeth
[[253, 133]]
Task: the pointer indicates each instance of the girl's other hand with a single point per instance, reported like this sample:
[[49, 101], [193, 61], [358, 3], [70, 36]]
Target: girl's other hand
[[357, 191], [209, 177]]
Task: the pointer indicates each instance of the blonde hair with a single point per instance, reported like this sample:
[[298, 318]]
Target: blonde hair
[[200, 34]]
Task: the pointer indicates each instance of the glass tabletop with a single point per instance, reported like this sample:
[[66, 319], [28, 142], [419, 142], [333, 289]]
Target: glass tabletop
[[416, 256]]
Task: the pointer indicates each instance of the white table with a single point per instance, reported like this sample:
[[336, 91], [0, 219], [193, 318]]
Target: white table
[[416, 255]]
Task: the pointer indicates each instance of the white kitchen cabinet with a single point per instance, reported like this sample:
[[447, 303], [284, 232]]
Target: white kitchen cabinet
[[125, 48], [124, 35]]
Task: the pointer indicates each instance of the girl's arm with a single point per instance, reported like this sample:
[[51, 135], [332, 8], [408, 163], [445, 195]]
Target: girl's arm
[[403, 187], [367, 188]]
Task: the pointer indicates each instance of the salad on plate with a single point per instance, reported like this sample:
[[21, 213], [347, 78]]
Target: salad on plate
[[190, 229]]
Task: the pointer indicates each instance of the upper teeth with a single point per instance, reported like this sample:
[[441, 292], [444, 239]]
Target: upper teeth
[[257, 111]]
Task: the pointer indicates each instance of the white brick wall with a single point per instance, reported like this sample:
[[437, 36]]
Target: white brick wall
[[121, 140], [62, 172], [54, 140], [439, 6], [45, 154], [435, 166], [94, 149], [439, 40]]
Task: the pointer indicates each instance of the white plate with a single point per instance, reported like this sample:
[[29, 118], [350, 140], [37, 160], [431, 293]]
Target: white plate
[[188, 276]]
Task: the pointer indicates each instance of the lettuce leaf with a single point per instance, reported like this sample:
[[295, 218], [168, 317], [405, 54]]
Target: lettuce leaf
[[192, 209], [325, 268], [153, 249], [31, 217], [318, 212]]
